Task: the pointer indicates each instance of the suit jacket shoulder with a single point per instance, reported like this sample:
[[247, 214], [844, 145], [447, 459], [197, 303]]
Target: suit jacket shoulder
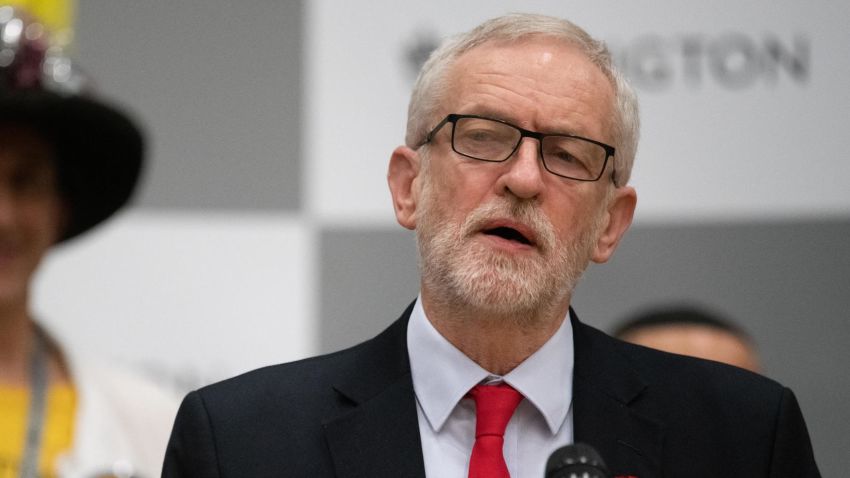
[[657, 414], [348, 413]]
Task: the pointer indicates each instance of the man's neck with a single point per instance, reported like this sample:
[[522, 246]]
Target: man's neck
[[498, 343]]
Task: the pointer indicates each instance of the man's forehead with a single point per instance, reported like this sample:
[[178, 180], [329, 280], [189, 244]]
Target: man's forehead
[[547, 56], [542, 47], [552, 75]]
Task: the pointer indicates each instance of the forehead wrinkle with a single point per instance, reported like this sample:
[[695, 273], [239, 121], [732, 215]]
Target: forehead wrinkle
[[550, 117], [554, 88]]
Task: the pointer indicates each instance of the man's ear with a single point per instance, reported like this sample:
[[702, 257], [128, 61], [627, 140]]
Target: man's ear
[[401, 176], [620, 212]]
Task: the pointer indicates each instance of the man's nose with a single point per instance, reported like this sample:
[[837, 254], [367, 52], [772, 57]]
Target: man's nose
[[524, 174]]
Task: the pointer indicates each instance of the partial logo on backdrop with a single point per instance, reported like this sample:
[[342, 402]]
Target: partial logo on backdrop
[[658, 63], [732, 61], [417, 50]]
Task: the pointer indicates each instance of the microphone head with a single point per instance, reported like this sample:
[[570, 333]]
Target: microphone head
[[576, 461]]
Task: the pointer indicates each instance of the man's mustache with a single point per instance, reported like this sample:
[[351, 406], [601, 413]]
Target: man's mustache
[[523, 212]]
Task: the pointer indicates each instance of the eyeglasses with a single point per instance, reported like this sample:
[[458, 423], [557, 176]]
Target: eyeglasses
[[564, 155]]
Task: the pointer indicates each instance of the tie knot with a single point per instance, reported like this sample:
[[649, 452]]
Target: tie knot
[[494, 406]]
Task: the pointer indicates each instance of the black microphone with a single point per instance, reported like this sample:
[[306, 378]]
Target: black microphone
[[576, 461]]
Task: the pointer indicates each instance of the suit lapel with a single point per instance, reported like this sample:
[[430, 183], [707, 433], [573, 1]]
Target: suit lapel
[[605, 390], [376, 432]]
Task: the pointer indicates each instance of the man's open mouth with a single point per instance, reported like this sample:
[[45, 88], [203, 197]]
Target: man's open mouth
[[509, 234]]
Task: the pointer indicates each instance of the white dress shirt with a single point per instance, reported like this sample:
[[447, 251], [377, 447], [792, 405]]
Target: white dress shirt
[[442, 375]]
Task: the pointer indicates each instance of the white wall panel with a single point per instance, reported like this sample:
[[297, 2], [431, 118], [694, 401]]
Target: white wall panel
[[731, 129], [199, 296]]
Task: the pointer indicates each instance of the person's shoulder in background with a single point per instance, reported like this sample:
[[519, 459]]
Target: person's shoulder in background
[[752, 421], [123, 421]]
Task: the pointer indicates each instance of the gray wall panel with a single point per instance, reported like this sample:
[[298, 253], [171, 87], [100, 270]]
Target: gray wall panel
[[367, 277], [217, 84]]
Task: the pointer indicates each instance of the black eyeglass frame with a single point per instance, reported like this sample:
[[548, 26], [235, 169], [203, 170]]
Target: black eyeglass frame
[[524, 133]]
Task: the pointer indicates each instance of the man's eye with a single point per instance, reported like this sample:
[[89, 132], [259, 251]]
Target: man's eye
[[563, 156], [480, 135]]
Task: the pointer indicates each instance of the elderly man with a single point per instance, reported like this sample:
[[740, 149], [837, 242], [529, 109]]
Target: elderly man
[[520, 141]]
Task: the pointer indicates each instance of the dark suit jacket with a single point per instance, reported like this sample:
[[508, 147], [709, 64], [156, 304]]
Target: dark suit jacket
[[353, 414]]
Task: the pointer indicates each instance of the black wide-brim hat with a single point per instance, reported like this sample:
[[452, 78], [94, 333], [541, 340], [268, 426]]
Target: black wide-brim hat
[[99, 150]]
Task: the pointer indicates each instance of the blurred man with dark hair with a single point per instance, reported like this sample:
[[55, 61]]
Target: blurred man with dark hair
[[694, 331], [67, 162]]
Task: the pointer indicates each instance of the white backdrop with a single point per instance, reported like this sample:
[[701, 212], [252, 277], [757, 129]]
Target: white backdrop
[[189, 298], [731, 129]]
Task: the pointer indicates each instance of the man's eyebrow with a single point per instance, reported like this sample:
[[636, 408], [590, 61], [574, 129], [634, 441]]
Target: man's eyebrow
[[490, 113]]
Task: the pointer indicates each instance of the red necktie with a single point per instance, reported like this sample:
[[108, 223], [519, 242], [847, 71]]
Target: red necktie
[[494, 405]]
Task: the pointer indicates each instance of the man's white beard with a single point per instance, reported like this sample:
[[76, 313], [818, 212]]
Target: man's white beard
[[462, 272]]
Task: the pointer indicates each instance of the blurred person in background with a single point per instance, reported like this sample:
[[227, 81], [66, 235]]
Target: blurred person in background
[[694, 331], [68, 161]]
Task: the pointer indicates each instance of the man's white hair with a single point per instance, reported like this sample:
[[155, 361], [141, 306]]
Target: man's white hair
[[431, 85]]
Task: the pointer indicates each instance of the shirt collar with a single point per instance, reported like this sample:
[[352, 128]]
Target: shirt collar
[[546, 377], [442, 374]]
